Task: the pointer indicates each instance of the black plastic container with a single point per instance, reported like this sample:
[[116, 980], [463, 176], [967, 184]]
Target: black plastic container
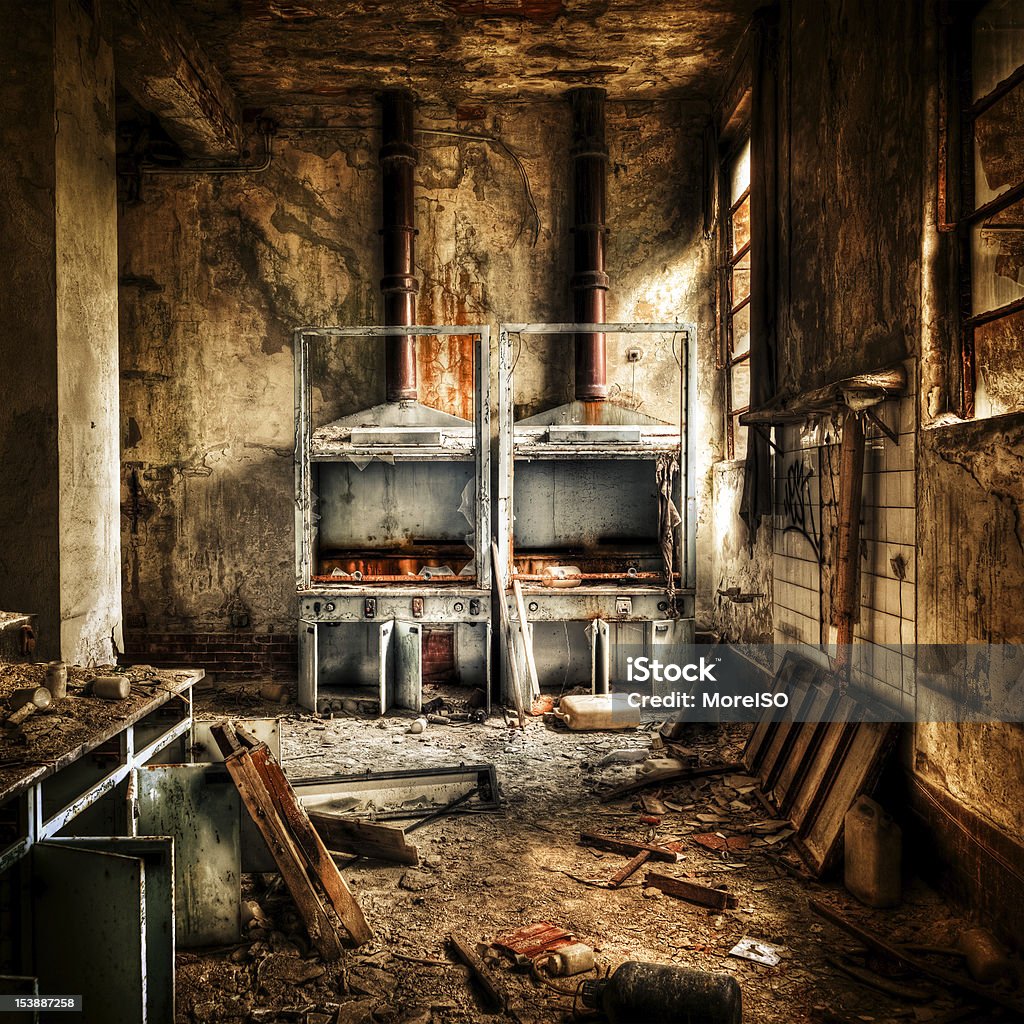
[[658, 994]]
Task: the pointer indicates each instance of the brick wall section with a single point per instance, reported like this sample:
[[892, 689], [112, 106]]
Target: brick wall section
[[233, 656]]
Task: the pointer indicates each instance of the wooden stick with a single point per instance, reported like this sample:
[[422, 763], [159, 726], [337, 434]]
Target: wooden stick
[[898, 953], [629, 868], [495, 998], [673, 775], [506, 627], [614, 845], [702, 895]]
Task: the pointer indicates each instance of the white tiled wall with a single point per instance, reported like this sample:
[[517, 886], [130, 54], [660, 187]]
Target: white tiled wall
[[884, 637]]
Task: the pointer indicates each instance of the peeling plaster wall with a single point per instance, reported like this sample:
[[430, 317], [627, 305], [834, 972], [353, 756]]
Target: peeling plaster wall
[[217, 271], [857, 200], [851, 188], [87, 343], [735, 565], [849, 232], [971, 537]]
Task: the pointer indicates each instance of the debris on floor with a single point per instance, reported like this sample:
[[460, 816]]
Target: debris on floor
[[529, 880]]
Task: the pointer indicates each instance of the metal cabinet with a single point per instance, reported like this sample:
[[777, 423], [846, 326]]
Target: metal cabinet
[[595, 514], [393, 523]]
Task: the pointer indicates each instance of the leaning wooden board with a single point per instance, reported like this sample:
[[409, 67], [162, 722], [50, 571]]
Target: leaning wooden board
[[320, 893], [821, 835]]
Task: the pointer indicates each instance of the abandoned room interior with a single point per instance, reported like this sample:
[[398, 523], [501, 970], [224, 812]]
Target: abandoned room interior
[[385, 385]]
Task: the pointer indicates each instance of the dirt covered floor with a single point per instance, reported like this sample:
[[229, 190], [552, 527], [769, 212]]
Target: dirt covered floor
[[485, 874]]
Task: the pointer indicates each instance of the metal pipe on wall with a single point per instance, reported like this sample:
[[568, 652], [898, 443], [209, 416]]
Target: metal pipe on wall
[[589, 280], [398, 160]]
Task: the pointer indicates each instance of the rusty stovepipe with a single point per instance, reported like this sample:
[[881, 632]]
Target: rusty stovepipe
[[589, 280], [398, 160]]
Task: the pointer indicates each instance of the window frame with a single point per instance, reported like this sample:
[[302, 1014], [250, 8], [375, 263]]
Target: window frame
[[730, 153], [956, 185]]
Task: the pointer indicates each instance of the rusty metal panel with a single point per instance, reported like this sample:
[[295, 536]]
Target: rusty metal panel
[[90, 931], [204, 747], [600, 651], [408, 650], [198, 806]]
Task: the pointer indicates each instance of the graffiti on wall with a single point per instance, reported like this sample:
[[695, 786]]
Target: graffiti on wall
[[799, 507]]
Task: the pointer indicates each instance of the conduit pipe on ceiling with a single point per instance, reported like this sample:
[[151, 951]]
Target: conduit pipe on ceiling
[[589, 280], [398, 160]]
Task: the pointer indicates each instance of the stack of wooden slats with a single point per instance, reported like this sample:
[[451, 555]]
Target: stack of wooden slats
[[816, 757]]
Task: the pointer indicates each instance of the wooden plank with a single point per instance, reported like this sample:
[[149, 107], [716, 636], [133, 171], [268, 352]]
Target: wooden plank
[[805, 742], [494, 997], [846, 609], [524, 624], [614, 845], [821, 758], [165, 69], [674, 775], [365, 838], [322, 930], [764, 730], [857, 773], [781, 738], [692, 892], [506, 626], [318, 860]]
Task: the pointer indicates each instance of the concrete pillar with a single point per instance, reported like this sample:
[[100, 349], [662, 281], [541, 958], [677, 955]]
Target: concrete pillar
[[60, 549]]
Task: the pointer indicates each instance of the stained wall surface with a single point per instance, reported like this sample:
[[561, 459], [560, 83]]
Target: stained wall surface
[[216, 272], [61, 557]]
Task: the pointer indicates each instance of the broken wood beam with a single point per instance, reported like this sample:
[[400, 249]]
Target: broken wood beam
[[318, 860], [494, 998], [847, 585], [673, 775], [872, 941], [692, 892], [343, 834], [630, 849], [160, 62]]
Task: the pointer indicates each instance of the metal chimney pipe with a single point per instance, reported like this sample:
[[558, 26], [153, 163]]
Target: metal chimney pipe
[[589, 280], [398, 160]]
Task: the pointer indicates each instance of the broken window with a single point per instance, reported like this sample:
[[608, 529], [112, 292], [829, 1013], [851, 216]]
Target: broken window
[[734, 310], [989, 63]]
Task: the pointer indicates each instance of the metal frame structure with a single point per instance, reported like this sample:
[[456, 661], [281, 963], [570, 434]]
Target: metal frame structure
[[642, 600], [98, 912], [398, 606], [40, 825]]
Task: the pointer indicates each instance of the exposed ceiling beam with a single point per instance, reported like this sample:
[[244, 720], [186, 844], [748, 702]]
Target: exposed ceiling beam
[[161, 64]]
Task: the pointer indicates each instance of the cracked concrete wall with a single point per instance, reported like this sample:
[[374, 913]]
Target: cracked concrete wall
[[971, 544], [216, 272], [58, 418]]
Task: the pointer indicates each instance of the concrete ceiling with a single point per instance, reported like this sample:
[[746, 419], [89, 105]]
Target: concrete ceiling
[[322, 52]]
